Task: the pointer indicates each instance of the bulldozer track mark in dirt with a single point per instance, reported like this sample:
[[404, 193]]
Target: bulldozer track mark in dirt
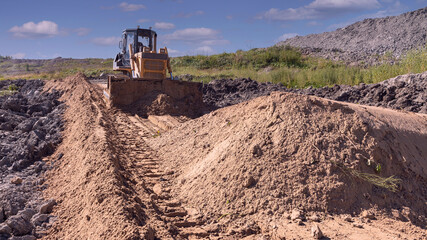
[[150, 184], [109, 183]]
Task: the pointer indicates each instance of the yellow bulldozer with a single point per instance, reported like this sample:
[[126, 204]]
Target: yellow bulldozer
[[144, 73]]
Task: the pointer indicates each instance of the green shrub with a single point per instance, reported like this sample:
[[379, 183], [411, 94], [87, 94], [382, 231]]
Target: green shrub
[[13, 88]]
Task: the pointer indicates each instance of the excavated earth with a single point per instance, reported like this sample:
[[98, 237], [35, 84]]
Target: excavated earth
[[406, 92], [30, 128], [267, 164]]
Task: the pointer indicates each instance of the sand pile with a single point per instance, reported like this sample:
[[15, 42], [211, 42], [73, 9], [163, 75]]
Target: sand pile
[[261, 159], [87, 181]]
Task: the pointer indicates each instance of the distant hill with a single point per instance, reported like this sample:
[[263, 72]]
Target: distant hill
[[368, 39]]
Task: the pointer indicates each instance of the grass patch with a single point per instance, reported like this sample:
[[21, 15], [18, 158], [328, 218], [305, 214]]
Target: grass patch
[[283, 65], [11, 89], [287, 66], [390, 183]]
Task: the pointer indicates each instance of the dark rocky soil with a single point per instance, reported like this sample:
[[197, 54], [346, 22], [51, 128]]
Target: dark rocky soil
[[406, 92], [30, 126], [368, 39]]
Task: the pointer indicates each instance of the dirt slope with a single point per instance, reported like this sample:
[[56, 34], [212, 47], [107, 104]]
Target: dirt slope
[[238, 171], [364, 39], [246, 166], [87, 181], [106, 179]]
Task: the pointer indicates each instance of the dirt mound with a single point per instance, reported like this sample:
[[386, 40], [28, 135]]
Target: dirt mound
[[30, 126], [86, 181], [255, 161], [363, 40], [101, 181], [406, 92]]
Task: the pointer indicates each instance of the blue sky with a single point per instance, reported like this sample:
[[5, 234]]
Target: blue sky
[[40, 29]]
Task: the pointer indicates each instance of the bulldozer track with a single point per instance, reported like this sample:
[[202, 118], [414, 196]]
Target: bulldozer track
[[147, 182]]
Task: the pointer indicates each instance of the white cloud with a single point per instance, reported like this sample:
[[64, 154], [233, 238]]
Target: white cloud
[[128, 7], [204, 50], [314, 23], [82, 31], [344, 4], [193, 34], [143, 20], [173, 52], [18, 55], [286, 36], [106, 41], [319, 9], [215, 42], [164, 25], [42, 29], [395, 8], [188, 15], [229, 17], [196, 37]]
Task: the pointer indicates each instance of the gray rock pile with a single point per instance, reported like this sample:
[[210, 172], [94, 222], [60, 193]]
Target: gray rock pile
[[368, 39], [225, 92], [30, 126], [406, 92]]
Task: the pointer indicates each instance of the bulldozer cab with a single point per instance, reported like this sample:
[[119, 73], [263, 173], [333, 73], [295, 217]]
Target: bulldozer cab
[[141, 40]]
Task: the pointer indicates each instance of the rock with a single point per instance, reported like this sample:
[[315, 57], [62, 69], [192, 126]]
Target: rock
[[347, 218], [314, 218], [256, 151], [19, 225], [316, 233], [5, 229], [249, 182], [26, 237], [47, 207], [280, 232], [148, 233], [357, 225], [2, 216], [397, 215], [38, 219], [39, 232], [297, 214], [153, 197], [16, 180], [211, 228], [157, 189], [26, 213], [368, 215]]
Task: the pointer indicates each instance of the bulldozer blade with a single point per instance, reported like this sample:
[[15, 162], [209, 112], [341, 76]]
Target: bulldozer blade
[[129, 92]]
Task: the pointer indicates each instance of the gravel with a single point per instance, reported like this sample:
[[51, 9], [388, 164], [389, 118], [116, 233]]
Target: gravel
[[365, 41], [30, 126], [405, 92]]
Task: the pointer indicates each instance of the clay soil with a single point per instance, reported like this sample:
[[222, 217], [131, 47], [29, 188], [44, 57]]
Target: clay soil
[[269, 168]]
